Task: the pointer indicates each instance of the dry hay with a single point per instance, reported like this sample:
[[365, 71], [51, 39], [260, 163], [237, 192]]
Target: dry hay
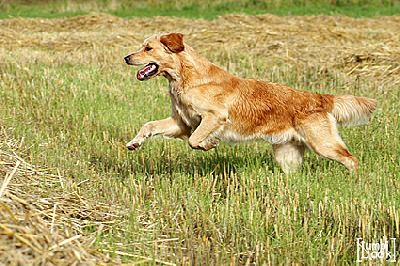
[[41, 229], [364, 47]]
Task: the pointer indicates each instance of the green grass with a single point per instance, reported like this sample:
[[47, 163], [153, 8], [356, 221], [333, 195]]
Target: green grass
[[198, 9], [185, 206]]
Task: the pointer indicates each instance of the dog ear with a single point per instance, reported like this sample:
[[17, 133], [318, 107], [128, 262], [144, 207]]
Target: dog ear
[[173, 41]]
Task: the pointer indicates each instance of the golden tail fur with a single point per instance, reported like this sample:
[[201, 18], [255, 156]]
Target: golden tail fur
[[353, 110]]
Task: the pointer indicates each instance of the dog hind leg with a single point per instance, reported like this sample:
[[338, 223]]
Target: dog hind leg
[[289, 155], [321, 135]]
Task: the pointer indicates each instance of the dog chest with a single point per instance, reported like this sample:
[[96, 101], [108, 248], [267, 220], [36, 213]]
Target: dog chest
[[189, 117], [185, 110]]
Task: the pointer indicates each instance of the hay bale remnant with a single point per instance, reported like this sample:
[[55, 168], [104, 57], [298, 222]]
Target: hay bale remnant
[[38, 228]]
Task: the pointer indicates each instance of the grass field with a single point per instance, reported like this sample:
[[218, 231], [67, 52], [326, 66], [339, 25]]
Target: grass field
[[72, 104], [197, 9]]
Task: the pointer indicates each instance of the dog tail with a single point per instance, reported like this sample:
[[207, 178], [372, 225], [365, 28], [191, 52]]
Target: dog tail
[[353, 110]]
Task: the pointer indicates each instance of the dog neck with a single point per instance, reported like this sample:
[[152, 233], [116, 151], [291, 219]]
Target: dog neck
[[193, 70]]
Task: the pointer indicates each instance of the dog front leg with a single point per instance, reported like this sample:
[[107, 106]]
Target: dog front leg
[[202, 137], [169, 127]]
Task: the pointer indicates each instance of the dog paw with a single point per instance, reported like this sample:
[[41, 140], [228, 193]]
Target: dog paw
[[205, 145], [132, 146], [209, 145]]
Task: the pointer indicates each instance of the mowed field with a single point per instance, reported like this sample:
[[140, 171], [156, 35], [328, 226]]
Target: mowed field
[[68, 105]]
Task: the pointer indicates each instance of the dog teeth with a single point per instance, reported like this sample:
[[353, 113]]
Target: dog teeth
[[149, 68], [145, 71]]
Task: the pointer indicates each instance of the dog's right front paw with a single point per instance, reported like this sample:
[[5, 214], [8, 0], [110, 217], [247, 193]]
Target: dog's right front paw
[[205, 145], [132, 146]]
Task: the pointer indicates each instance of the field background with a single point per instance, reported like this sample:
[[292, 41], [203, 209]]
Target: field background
[[197, 9], [68, 105]]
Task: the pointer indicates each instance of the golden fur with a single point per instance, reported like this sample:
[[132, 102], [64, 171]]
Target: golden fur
[[209, 105]]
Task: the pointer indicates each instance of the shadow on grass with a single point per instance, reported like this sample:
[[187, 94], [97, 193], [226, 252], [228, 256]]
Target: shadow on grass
[[166, 160]]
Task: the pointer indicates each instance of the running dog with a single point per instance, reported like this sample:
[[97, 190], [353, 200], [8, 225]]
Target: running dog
[[211, 105]]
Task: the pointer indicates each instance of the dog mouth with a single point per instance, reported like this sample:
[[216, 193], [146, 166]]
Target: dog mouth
[[147, 71]]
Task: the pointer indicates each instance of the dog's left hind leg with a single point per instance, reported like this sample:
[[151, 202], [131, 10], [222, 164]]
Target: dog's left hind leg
[[289, 155]]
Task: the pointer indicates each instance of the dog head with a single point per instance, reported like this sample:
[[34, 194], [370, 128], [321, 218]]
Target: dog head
[[158, 55]]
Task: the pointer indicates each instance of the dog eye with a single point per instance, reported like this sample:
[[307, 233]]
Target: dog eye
[[147, 48]]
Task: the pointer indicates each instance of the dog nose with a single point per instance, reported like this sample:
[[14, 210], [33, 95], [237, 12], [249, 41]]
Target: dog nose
[[126, 58]]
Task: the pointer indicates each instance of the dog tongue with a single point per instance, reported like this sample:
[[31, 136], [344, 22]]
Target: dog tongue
[[141, 74]]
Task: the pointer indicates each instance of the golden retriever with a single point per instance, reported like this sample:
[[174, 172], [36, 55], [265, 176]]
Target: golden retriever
[[209, 104]]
